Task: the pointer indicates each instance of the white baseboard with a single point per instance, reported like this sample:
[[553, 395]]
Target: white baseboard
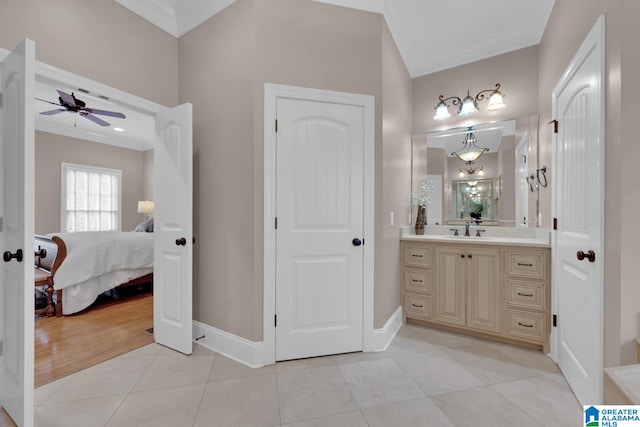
[[381, 338], [241, 350], [251, 353]]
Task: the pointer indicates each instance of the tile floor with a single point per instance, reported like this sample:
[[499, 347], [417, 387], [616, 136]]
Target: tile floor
[[426, 378]]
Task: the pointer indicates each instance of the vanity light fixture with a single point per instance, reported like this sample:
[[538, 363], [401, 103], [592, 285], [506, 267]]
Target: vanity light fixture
[[469, 105], [471, 170], [470, 151]]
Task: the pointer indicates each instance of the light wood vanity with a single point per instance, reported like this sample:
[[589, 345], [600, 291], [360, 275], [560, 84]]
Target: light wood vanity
[[493, 288]]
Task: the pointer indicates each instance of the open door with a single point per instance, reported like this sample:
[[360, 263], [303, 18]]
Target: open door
[[16, 233], [578, 244], [173, 229]]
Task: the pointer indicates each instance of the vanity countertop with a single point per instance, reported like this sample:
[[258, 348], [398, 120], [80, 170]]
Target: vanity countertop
[[493, 236]]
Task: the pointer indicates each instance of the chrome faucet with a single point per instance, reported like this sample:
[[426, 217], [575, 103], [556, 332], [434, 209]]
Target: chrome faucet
[[466, 229]]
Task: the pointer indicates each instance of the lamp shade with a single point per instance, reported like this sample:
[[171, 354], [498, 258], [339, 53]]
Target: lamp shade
[[468, 106], [442, 111], [145, 206], [495, 101]]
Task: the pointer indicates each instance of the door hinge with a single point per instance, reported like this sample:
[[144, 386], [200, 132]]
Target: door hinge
[[555, 125], [363, 241], [554, 321], [276, 223], [275, 320], [276, 125], [555, 223]]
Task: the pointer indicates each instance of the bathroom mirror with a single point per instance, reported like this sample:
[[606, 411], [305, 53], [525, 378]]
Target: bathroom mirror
[[494, 189]]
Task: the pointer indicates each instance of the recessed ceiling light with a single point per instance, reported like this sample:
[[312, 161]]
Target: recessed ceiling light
[[118, 129]]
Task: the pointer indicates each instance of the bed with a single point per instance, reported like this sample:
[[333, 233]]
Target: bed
[[84, 265]]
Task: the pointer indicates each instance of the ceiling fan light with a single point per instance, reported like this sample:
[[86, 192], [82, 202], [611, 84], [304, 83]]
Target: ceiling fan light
[[496, 102], [468, 106], [442, 111]]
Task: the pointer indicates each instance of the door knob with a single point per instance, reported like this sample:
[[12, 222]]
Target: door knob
[[590, 255], [356, 242], [8, 256], [181, 241]]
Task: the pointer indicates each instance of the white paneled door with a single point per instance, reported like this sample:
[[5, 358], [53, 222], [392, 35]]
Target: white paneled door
[[173, 229], [319, 236], [16, 233], [579, 208]]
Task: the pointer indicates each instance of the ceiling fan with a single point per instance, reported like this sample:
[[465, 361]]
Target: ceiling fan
[[75, 105]]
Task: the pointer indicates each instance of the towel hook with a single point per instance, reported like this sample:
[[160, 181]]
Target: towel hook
[[543, 169]]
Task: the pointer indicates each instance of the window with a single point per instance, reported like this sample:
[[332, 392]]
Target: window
[[90, 198]]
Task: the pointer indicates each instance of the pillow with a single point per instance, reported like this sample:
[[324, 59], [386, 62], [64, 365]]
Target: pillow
[[145, 226]]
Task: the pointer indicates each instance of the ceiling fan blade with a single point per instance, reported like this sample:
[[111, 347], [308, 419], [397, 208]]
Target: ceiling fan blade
[[52, 112], [95, 119], [107, 113], [66, 98]]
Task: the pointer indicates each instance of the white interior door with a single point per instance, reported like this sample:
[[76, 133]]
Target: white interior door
[[319, 205], [16, 234], [434, 210], [173, 229], [579, 207], [522, 185]]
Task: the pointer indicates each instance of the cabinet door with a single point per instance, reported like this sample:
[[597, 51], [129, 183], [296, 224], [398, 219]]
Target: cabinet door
[[483, 289], [450, 285]]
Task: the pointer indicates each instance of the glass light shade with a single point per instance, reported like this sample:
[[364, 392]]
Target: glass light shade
[[461, 174], [468, 106], [442, 111], [145, 206], [469, 155], [481, 172], [496, 102]]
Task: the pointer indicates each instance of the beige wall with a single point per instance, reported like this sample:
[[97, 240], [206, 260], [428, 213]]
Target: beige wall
[[217, 66], [147, 175], [395, 177], [224, 65], [52, 150], [100, 40]]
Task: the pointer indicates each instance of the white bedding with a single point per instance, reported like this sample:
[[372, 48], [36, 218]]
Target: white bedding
[[99, 261]]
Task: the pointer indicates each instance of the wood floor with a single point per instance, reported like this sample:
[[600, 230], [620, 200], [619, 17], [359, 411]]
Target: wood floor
[[68, 344]]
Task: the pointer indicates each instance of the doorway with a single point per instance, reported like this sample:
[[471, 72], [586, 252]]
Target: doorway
[[324, 319], [173, 150]]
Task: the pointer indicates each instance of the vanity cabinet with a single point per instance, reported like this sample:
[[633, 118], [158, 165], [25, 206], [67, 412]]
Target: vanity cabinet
[[492, 290], [467, 287]]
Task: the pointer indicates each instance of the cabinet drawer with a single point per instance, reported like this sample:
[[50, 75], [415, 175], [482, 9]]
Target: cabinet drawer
[[526, 325], [526, 294], [417, 256], [418, 280], [526, 264], [418, 306]]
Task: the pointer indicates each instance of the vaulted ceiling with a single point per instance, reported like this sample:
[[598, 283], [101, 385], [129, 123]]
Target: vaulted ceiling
[[432, 35]]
